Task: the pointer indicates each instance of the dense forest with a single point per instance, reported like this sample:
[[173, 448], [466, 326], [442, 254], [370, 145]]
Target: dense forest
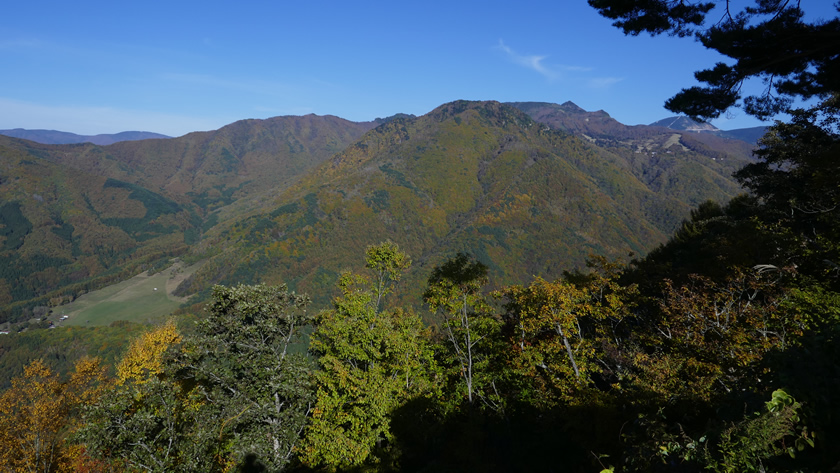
[[717, 351]]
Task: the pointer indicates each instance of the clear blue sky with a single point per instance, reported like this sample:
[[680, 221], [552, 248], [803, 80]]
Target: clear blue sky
[[173, 67]]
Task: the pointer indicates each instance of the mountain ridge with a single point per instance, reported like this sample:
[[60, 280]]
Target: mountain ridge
[[293, 199], [750, 135], [681, 123], [481, 177], [56, 137], [214, 165]]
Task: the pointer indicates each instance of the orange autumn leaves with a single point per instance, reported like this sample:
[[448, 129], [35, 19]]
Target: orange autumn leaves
[[39, 413]]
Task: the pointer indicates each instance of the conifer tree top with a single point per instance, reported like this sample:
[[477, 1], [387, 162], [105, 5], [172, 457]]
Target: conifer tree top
[[770, 41]]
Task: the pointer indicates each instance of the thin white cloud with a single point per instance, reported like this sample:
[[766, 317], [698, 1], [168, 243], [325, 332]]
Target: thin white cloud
[[92, 120], [576, 68], [531, 62], [536, 63], [604, 82]]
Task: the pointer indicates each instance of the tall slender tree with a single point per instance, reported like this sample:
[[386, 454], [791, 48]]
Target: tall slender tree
[[455, 294]]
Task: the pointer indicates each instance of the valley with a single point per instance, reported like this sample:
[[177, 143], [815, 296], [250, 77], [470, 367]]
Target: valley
[[529, 188], [145, 298]]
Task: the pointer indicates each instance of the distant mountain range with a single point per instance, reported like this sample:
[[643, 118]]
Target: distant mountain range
[[750, 135], [52, 137], [529, 188]]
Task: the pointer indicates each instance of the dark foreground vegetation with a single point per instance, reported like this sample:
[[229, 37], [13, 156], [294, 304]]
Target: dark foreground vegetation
[[718, 351]]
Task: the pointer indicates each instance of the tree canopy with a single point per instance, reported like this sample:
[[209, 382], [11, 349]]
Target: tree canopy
[[771, 41]]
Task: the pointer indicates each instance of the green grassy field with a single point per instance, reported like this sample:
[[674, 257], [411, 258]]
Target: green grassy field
[[143, 299]]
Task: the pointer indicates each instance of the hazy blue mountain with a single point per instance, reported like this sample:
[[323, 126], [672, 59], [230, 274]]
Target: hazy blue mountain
[[750, 135], [53, 137]]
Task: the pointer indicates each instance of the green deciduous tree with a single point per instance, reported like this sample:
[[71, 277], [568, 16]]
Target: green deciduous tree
[[157, 425], [455, 294], [146, 419], [708, 339], [371, 362], [546, 321], [387, 263], [569, 335]]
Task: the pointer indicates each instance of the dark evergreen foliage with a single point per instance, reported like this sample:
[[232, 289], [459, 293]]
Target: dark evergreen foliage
[[654, 16], [13, 225], [769, 41]]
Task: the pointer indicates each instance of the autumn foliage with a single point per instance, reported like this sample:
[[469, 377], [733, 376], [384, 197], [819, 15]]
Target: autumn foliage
[[38, 413]]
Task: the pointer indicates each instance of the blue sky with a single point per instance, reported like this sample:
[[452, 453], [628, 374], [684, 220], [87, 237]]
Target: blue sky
[[173, 67]]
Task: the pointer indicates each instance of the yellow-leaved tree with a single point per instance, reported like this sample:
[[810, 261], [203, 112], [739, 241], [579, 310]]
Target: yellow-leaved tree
[[552, 332], [39, 411], [144, 357]]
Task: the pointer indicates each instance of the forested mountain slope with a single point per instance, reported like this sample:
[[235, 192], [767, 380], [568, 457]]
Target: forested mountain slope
[[75, 217], [63, 230], [214, 168], [533, 195], [480, 177]]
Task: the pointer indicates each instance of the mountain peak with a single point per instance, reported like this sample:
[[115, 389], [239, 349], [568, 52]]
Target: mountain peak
[[571, 107], [398, 116], [685, 124], [457, 107], [497, 113]]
